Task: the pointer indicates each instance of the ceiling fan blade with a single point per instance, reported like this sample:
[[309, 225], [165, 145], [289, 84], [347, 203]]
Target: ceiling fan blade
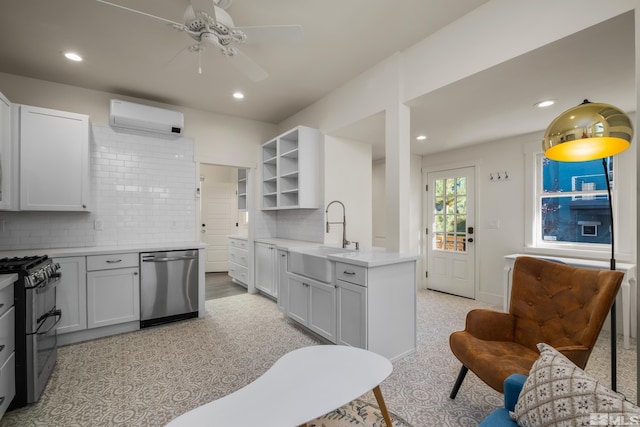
[[174, 24], [247, 66], [273, 34]]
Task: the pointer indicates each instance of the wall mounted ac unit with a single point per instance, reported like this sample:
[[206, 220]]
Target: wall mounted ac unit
[[129, 115]]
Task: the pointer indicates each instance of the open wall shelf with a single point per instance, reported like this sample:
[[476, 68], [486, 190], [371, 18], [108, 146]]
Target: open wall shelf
[[290, 170]]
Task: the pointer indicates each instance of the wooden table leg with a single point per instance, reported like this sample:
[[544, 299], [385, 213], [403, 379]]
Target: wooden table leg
[[383, 407]]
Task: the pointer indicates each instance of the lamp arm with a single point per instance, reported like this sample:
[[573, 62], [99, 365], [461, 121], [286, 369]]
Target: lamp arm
[[606, 179], [612, 266]]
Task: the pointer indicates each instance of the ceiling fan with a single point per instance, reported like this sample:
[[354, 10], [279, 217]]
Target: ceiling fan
[[209, 24]]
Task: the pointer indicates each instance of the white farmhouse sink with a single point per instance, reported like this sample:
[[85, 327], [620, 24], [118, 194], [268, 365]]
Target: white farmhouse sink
[[312, 262]]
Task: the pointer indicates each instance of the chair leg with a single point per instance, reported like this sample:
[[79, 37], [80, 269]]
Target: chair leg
[[456, 386]]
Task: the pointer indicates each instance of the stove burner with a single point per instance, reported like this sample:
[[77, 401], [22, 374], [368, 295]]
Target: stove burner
[[21, 264]]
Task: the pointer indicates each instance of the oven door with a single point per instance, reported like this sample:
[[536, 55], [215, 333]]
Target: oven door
[[42, 340]]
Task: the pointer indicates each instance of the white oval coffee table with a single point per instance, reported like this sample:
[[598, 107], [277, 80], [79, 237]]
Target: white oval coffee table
[[301, 386]]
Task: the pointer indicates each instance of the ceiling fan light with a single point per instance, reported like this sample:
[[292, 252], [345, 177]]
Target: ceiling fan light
[[589, 131]]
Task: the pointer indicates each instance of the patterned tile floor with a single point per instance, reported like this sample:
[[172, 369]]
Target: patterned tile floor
[[146, 378]]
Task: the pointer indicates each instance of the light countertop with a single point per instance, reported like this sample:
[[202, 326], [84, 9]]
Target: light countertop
[[375, 257], [103, 250], [7, 280]]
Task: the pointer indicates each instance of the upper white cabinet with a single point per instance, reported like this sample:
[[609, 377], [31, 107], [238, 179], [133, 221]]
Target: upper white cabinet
[[290, 170], [54, 160], [242, 189], [8, 166]]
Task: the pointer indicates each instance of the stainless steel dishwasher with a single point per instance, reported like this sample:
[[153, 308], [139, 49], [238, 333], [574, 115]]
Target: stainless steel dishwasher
[[168, 286]]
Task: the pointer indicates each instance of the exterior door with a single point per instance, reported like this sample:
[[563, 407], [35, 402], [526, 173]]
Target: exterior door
[[450, 240], [218, 216]]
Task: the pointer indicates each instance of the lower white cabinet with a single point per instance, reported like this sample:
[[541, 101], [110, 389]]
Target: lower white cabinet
[[352, 314], [71, 294], [7, 348], [238, 260], [313, 304], [113, 292], [266, 268], [283, 282]]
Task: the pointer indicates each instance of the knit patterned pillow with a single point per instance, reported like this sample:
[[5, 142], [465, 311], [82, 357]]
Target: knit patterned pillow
[[558, 393]]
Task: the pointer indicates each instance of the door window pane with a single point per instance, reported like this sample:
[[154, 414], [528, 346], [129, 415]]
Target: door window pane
[[450, 214]]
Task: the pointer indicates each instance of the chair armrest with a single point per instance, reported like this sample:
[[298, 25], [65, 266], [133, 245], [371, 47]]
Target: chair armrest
[[512, 388], [490, 325]]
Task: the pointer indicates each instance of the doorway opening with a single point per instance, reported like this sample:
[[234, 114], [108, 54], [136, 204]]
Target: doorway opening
[[223, 213]]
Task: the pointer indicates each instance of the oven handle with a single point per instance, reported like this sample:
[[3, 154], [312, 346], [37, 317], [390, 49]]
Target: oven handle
[[55, 277], [54, 312]]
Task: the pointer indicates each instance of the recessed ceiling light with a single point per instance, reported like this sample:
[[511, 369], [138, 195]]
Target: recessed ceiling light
[[421, 137], [546, 103], [238, 95], [73, 56]]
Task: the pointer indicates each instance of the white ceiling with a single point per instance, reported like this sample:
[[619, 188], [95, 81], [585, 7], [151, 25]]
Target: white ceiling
[[132, 55]]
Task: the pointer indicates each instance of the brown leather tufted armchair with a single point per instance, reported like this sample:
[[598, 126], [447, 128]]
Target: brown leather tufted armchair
[[553, 303]]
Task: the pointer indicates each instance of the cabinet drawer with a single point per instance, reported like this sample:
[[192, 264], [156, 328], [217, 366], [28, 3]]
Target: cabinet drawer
[[6, 299], [238, 243], [7, 334], [105, 262], [239, 256], [351, 273], [238, 272], [7, 383]]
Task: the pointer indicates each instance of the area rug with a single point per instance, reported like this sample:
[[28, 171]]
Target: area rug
[[356, 413]]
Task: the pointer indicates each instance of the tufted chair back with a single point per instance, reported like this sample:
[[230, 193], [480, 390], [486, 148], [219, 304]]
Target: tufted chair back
[[551, 303]]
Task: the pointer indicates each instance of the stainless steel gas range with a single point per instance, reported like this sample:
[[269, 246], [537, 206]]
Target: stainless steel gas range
[[36, 317]]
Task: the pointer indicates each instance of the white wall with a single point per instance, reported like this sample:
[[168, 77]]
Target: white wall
[[348, 178], [213, 139]]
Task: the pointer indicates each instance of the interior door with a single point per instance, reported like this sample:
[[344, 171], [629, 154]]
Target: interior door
[[450, 240], [218, 216]]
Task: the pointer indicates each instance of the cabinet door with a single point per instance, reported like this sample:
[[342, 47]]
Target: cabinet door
[[298, 300], [264, 278], [282, 280], [54, 160], [352, 314], [113, 296], [322, 309], [7, 165], [71, 294]]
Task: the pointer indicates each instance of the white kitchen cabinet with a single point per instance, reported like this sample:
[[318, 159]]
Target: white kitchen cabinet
[[352, 314], [283, 282], [7, 347], [242, 189], [313, 304], [376, 307], [113, 289], [238, 260], [266, 268], [71, 294], [8, 158], [291, 170], [54, 160]]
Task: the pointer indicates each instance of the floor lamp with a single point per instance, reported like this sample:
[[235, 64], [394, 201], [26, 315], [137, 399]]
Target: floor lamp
[[592, 131]]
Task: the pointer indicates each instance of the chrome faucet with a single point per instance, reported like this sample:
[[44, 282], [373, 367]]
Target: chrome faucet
[[345, 242]]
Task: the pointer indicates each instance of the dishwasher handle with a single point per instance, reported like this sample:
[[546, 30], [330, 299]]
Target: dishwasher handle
[[167, 259]]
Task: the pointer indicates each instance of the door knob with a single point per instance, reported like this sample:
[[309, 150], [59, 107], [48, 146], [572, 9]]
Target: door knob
[[470, 240]]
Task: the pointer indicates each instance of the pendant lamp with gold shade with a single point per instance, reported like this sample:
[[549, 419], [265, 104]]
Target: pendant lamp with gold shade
[[592, 131]]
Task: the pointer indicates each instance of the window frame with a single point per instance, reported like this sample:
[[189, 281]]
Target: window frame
[[540, 195], [623, 198]]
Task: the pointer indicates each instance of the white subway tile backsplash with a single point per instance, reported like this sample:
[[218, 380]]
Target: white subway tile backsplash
[[143, 191]]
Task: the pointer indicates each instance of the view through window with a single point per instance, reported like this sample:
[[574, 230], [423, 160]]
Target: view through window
[[573, 202]]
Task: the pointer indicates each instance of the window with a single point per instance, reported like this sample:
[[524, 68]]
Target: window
[[572, 204], [450, 214]]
